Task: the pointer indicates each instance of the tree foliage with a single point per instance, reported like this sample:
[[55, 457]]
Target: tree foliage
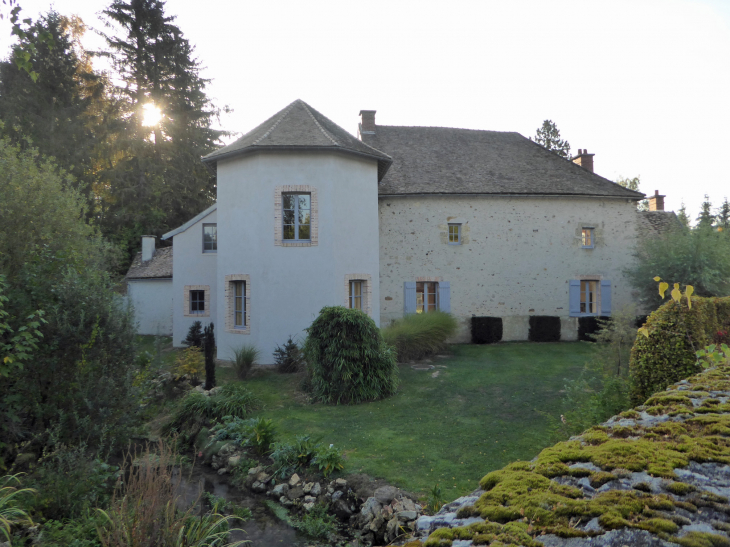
[[549, 136], [158, 181], [682, 216], [699, 257], [633, 184], [705, 219], [722, 219]]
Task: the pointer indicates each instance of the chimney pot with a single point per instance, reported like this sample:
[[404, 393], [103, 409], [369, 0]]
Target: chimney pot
[[367, 122], [148, 248]]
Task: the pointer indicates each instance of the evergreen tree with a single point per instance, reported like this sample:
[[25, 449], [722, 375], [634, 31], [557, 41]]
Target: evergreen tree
[[56, 113], [722, 219], [682, 216], [549, 137], [706, 218], [159, 181], [209, 351]]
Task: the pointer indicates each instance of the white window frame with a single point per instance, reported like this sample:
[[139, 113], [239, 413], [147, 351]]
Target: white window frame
[[231, 282], [215, 239], [457, 233]]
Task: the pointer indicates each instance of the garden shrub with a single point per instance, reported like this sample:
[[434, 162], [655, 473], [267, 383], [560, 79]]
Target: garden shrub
[[209, 351], [347, 358], [676, 333], [486, 330], [289, 359], [258, 433], [244, 357], [195, 336], [544, 328], [190, 362], [419, 334], [306, 452]]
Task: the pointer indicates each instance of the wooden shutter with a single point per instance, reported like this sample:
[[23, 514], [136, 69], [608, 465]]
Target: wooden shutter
[[445, 296], [409, 300], [605, 297], [574, 293]]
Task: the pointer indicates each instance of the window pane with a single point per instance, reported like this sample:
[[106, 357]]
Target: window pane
[[239, 319], [303, 216], [288, 232], [304, 231], [238, 288], [303, 201], [431, 292], [288, 201]]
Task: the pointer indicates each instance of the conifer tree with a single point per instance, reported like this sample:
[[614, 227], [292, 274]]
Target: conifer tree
[[722, 219], [682, 216], [706, 218], [549, 136]]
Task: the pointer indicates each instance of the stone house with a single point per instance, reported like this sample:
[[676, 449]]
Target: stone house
[[400, 220]]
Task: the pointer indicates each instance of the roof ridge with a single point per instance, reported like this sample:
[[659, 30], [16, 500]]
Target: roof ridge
[[322, 129], [277, 122]]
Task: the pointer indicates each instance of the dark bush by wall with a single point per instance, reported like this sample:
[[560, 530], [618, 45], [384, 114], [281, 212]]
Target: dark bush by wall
[[676, 332], [347, 359], [544, 328], [640, 320], [589, 325], [486, 330]]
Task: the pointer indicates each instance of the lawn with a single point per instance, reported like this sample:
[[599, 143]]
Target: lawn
[[476, 411]]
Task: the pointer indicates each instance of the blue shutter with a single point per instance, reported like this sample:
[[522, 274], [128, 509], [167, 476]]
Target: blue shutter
[[445, 296], [409, 300], [605, 297], [574, 293]]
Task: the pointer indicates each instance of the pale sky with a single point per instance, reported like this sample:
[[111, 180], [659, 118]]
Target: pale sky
[[643, 84]]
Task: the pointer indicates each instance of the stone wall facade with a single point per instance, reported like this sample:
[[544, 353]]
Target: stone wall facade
[[515, 259]]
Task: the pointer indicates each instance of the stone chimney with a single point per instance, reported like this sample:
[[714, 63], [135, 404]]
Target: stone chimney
[[148, 248], [584, 159], [656, 202], [367, 122]]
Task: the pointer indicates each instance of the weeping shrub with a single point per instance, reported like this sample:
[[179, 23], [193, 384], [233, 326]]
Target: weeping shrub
[[420, 334], [348, 362]]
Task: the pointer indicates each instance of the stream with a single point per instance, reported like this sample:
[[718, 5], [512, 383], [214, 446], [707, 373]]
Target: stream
[[262, 530]]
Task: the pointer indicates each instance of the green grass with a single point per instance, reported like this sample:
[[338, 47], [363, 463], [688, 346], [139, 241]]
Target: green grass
[[488, 407]]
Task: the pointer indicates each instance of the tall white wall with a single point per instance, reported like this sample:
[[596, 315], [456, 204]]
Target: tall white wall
[[517, 255], [151, 300], [289, 285], [192, 267]]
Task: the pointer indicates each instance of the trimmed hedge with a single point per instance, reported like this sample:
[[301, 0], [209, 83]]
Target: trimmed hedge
[[347, 359], [544, 328], [588, 325], [675, 334], [486, 330]]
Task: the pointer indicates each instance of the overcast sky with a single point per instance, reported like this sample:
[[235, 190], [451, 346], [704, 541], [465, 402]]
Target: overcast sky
[[643, 84]]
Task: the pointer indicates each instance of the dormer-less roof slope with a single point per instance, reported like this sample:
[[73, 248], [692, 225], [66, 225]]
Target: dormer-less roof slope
[[301, 127], [158, 267], [441, 160]]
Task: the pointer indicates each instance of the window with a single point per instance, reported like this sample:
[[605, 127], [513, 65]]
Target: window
[[239, 304], [588, 294], [427, 294], [454, 234], [197, 302], [356, 295], [590, 297], [210, 238], [426, 297], [296, 216], [587, 238]]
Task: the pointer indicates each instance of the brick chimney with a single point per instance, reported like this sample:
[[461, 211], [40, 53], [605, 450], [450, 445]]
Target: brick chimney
[[656, 202], [584, 159], [148, 248], [367, 122]]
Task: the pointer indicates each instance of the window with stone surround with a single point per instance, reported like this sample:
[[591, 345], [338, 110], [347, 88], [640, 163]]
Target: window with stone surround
[[358, 290], [454, 234], [427, 294], [588, 238], [238, 299], [589, 296], [296, 220], [196, 300]]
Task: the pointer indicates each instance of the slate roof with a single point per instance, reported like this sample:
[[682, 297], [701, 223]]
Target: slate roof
[[299, 126], [159, 267], [442, 160], [660, 222]]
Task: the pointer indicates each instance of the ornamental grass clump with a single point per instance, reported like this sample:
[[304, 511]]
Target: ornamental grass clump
[[244, 358], [418, 335], [347, 359]]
